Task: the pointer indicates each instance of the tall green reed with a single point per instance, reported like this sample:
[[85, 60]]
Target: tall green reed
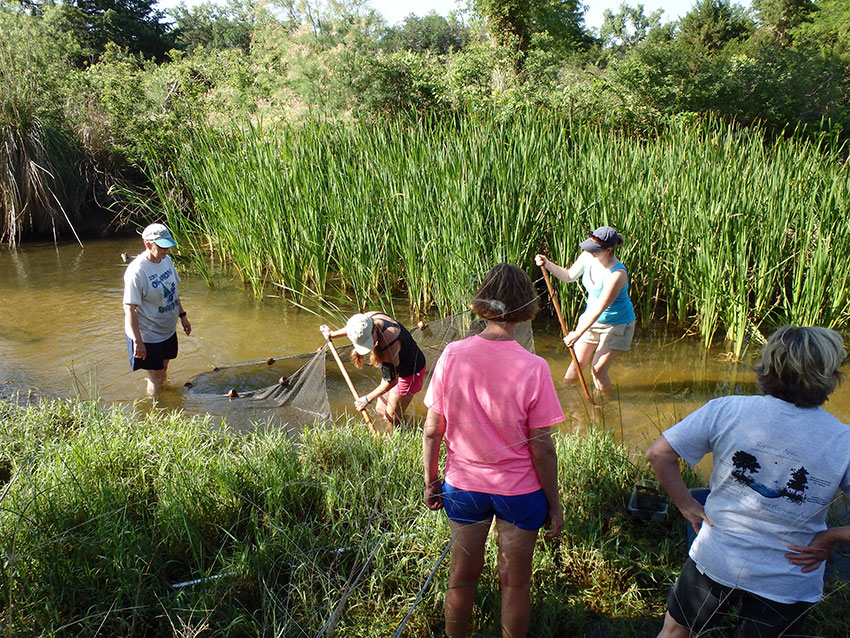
[[728, 233]]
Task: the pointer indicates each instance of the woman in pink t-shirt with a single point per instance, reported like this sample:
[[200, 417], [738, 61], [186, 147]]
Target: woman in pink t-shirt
[[493, 403]]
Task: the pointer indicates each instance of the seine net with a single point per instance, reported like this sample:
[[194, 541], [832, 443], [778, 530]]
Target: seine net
[[309, 387]]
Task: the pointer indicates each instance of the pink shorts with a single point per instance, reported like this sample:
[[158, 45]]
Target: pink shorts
[[411, 384]]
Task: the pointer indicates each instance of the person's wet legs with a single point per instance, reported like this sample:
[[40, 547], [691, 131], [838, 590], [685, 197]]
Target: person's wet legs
[[391, 406], [156, 379], [602, 361], [584, 355], [672, 629]]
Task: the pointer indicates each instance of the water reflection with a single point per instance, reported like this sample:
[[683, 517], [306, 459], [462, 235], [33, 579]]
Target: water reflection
[[61, 332]]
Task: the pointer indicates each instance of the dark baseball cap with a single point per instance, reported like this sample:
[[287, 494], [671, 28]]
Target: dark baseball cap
[[602, 237]]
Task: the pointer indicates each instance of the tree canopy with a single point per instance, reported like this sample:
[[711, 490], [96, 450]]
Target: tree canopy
[[432, 32], [514, 23], [135, 25]]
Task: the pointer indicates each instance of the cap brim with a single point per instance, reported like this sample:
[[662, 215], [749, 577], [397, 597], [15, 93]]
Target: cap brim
[[164, 243], [590, 245], [362, 350]]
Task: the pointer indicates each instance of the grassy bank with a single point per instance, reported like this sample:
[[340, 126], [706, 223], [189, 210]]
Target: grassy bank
[[726, 232], [103, 513]]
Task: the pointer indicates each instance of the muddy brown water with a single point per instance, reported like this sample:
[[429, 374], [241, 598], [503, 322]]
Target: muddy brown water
[[61, 333]]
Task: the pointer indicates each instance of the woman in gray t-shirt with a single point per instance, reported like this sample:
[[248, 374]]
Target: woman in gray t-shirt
[[778, 461]]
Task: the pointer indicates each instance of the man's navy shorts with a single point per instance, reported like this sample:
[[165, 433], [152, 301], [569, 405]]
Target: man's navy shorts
[[156, 355], [526, 511]]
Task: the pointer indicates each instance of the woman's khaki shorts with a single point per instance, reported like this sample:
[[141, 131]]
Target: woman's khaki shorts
[[616, 336]]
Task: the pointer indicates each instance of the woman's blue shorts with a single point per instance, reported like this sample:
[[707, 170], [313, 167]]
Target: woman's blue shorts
[[526, 511]]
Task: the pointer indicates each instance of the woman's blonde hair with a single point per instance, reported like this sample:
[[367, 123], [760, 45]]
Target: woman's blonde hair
[[800, 365], [506, 294]]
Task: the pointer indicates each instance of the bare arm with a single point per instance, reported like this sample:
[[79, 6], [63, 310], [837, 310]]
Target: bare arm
[[812, 555], [184, 321], [131, 327], [665, 462], [567, 275], [546, 464], [432, 440], [327, 333], [382, 388]]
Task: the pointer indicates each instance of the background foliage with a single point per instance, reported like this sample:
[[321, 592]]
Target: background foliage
[[110, 94]]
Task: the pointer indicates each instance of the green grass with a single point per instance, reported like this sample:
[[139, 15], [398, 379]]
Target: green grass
[[103, 511], [727, 233]]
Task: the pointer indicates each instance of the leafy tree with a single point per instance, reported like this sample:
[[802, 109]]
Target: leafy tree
[[628, 27], [712, 24], [652, 76], [432, 33], [515, 22], [403, 81], [134, 25], [826, 27], [470, 72], [779, 17], [319, 59], [214, 26]]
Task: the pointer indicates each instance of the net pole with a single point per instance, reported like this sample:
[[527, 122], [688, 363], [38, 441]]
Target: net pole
[[348, 381], [554, 298]]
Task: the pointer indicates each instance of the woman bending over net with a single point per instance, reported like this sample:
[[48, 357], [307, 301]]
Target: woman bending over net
[[390, 347]]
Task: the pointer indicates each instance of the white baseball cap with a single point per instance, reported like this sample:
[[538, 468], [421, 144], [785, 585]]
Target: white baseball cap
[[359, 330], [158, 234]]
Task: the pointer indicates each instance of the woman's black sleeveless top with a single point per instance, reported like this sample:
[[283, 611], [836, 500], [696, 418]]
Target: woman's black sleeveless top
[[410, 358]]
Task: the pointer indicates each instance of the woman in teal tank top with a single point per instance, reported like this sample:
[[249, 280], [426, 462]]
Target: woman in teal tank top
[[607, 325]]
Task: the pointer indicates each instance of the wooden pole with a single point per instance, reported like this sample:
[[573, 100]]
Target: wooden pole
[[350, 384], [564, 330]]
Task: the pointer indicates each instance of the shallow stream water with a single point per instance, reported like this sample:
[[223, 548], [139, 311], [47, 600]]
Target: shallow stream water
[[61, 333]]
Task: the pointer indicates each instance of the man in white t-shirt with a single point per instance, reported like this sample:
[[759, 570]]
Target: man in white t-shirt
[[152, 308], [779, 460]]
